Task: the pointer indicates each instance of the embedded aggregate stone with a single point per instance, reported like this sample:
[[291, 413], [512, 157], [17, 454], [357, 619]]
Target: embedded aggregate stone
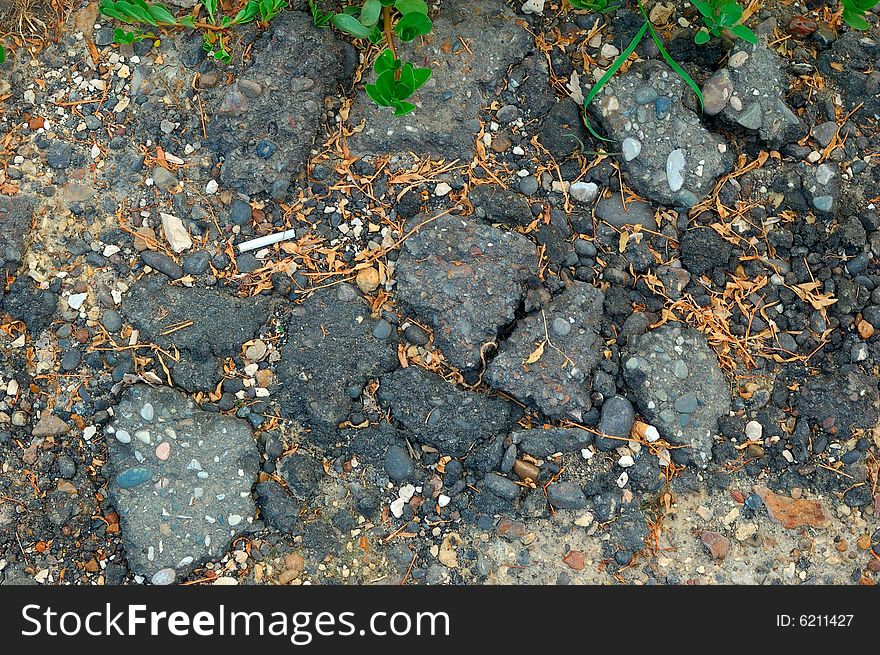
[[679, 388], [179, 510], [542, 443], [445, 123], [549, 358], [678, 160], [216, 324], [466, 280], [331, 347], [441, 415], [755, 101]]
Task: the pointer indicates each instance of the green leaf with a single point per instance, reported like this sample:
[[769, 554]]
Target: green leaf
[[408, 6], [412, 26], [2, 54], [421, 76], [121, 36], [247, 13], [162, 14], [386, 61], [855, 20], [703, 7], [615, 66], [744, 33], [211, 8], [385, 84], [406, 85], [377, 96], [701, 37], [370, 12], [350, 25], [403, 108]]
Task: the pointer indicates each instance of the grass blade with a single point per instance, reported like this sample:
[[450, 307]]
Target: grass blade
[[682, 73], [609, 74]]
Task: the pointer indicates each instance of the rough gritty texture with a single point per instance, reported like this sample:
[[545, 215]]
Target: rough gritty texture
[[191, 505], [645, 104], [295, 66], [441, 415], [565, 330], [756, 103], [445, 123], [221, 324], [464, 279], [330, 348], [841, 402], [849, 62], [678, 386], [15, 222]]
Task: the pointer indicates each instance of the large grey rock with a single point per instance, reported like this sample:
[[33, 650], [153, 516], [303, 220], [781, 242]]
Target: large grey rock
[[180, 479], [841, 401], [755, 104], [266, 122], [562, 131], [445, 122], [465, 279], [679, 388], [330, 348], [851, 65], [562, 339], [221, 323], [27, 303], [678, 160], [439, 414], [16, 214]]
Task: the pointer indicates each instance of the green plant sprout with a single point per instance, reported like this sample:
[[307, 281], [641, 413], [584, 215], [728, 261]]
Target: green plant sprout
[[383, 20], [145, 15], [598, 6], [854, 12], [720, 16], [395, 82]]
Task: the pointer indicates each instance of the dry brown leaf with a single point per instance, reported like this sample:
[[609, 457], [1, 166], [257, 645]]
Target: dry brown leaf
[[537, 353]]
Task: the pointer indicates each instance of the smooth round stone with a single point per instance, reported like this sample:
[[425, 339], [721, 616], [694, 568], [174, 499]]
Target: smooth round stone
[[686, 404], [631, 148], [616, 420], [398, 464], [147, 412], [382, 329], [233, 520], [680, 370], [71, 359], [163, 451], [645, 95], [585, 248], [122, 436], [675, 164], [823, 203], [415, 335], [528, 185], [112, 320], [134, 477], [163, 577], [560, 326]]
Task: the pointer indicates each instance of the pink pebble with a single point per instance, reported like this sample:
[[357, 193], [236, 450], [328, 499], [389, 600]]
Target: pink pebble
[[163, 451]]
